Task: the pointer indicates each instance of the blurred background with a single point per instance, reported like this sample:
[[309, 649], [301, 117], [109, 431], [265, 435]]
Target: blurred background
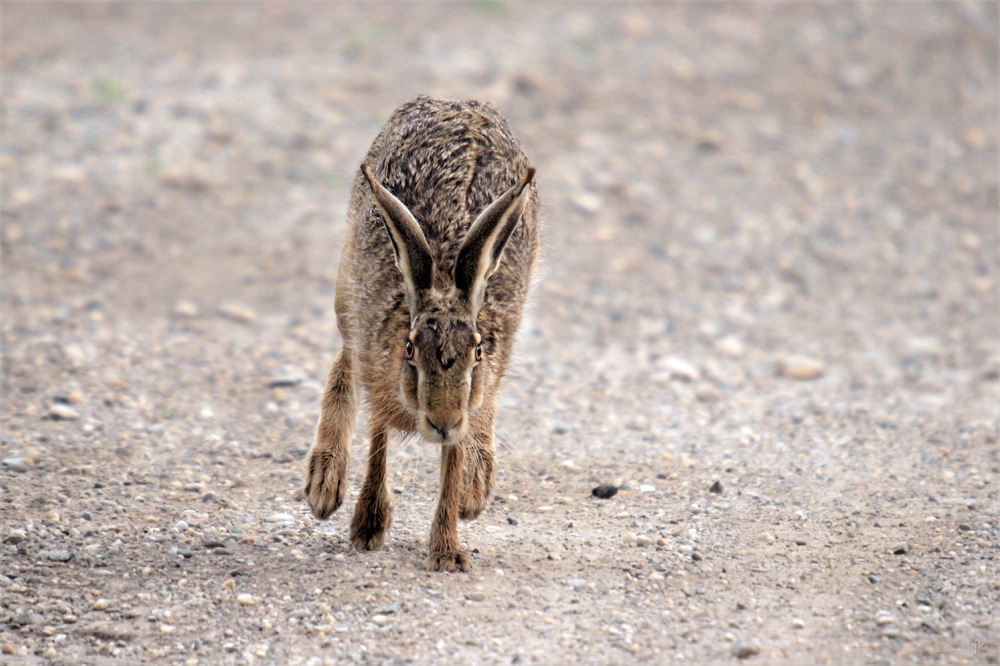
[[812, 180]]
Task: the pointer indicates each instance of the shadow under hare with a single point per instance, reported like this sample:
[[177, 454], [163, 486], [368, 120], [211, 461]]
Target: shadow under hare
[[442, 241]]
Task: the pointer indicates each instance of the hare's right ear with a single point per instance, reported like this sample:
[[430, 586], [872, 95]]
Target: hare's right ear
[[413, 255]]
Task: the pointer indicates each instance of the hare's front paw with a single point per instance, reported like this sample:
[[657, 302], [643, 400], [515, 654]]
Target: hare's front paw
[[451, 561], [370, 524], [326, 482]]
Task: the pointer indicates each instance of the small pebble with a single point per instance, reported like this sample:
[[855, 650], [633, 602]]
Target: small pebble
[[730, 346], [476, 596], [185, 553], [60, 555], [801, 368], [101, 604], [511, 520], [181, 526], [238, 313], [15, 465], [379, 619], [229, 584], [661, 542], [716, 487], [280, 518], [245, 600], [883, 618], [186, 308], [61, 412], [52, 516], [743, 648], [15, 536], [69, 618], [7, 648], [798, 624], [642, 541], [680, 368], [212, 543], [900, 548], [604, 491], [706, 392], [696, 556]]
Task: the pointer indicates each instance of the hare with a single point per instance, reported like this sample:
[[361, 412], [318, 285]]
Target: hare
[[442, 241]]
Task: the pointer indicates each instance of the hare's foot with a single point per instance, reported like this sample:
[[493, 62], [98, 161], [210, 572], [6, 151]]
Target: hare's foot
[[326, 481], [371, 522], [326, 473], [449, 561]]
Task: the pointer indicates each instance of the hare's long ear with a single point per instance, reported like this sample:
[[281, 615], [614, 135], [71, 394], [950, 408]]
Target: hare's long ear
[[413, 255], [482, 248]]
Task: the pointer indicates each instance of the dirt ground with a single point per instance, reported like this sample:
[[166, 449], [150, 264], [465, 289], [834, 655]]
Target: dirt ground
[[768, 311]]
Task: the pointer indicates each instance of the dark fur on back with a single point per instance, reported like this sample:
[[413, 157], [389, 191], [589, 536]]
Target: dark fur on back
[[446, 161]]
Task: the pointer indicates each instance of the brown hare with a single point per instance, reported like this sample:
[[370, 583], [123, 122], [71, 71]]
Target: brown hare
[[442, 241]]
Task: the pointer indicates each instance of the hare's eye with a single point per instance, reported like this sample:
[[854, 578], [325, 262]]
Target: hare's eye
[[479, 352], [409, 349]]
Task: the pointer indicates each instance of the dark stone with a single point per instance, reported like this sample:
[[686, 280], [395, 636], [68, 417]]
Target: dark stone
[[604, 491]]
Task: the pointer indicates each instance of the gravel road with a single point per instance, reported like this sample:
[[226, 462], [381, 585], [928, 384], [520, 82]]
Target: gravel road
[[767, 313]]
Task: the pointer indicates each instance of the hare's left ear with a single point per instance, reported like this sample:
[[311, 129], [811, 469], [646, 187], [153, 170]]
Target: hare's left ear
[[482, 248]]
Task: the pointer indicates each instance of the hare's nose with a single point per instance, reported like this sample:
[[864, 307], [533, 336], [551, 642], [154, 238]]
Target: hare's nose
[[446, 425]]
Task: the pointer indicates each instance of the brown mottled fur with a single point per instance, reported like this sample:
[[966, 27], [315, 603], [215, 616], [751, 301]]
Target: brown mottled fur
[[445, 162]]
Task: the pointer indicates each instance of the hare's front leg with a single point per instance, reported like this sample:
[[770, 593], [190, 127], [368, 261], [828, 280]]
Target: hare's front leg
[[326, 475], [373, 512], [445, 552], [479, 464]]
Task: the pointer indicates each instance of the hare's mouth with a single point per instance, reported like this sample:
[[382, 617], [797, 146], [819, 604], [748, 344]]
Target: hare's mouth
[[442, 430]]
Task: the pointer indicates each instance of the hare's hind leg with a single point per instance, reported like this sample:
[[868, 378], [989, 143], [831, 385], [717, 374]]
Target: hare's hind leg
[[326, 475], [445, 551], [373, 512], [479, 463]]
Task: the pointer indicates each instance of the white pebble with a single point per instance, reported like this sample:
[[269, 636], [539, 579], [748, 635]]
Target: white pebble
[[680, 368], [245, 600], [802, 368], [61, 412]]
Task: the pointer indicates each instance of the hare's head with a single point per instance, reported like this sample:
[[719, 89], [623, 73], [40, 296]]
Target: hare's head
[[446, 364]]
